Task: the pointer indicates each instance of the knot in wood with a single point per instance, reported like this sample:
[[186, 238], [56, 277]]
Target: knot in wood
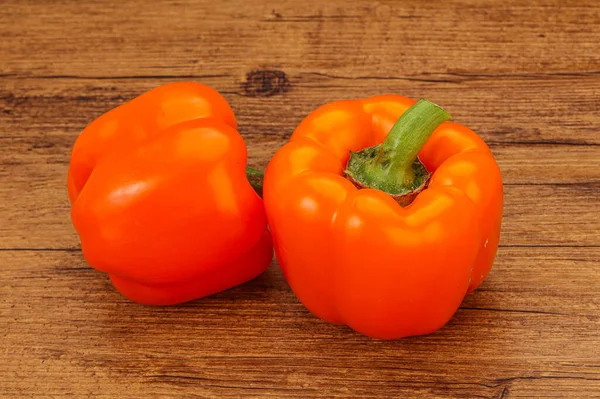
[[265, 83]]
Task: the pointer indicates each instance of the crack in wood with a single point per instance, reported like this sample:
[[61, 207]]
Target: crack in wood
[[565, 142], [449, 75], [117, 77], [546, 377], [567, 246], [517, 311], [404, 78]]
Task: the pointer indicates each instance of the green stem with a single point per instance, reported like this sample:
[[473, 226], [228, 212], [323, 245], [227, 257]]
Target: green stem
[[255, 177], [409, 135], [393, 166]]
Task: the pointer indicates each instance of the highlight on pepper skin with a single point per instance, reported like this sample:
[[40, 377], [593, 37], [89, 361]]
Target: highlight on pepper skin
[[160, 197], [384, 214]]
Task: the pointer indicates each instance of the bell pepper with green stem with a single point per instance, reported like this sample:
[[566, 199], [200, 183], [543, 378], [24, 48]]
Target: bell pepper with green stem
[[383, 214]]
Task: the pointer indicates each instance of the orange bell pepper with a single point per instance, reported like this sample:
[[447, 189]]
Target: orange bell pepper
[[384, 232], [160, 198]]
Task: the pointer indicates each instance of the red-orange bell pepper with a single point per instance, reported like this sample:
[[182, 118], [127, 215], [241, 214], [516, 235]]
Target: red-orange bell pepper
[[160, 198], [384, 232]]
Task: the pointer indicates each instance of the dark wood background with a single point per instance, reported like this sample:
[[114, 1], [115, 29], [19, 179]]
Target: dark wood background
[[525, 75]]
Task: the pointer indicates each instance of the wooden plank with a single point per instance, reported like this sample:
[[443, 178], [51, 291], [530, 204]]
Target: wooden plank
[[123, 38], [565, 215], [546, 328], [559, 110], [67, 332]]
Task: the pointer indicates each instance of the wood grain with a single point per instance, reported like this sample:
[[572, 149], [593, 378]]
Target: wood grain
[[523, 331], [524, 74]]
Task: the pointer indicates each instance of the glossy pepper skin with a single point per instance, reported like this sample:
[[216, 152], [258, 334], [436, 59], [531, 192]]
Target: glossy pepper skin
[[357, 257], [160, 197]]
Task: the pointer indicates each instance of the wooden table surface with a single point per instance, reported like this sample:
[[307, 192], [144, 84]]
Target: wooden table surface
[[525, 75]]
